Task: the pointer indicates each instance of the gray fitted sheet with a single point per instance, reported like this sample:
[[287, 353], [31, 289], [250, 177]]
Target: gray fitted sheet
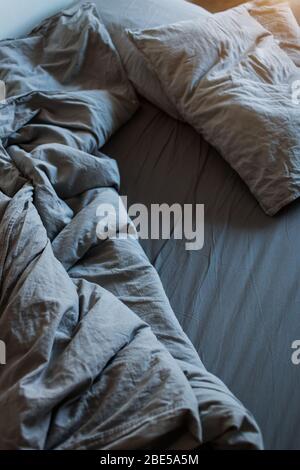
[[237, 298]]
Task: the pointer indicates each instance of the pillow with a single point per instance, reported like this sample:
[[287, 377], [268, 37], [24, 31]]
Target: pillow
[[295, 5], [118, 15], [232, 82], [277, 17]]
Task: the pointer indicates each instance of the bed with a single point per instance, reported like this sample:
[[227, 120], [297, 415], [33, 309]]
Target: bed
[[236, 299], [241, 306]]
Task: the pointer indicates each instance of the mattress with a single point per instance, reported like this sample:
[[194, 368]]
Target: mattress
[[236, 298]]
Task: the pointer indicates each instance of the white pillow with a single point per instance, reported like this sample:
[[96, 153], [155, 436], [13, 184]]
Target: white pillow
[[277, 17], [118, 15], [232, 82]]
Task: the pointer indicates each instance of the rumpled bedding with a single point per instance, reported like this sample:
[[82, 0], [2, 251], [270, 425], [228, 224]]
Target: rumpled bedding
[[95, 356]]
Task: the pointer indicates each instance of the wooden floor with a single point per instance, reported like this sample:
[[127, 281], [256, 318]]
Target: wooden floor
[[217, 5]]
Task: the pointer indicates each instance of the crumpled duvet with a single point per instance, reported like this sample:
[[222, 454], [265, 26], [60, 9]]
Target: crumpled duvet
[[95, 356]]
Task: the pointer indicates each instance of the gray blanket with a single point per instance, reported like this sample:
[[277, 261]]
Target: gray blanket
[[95, 356]]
